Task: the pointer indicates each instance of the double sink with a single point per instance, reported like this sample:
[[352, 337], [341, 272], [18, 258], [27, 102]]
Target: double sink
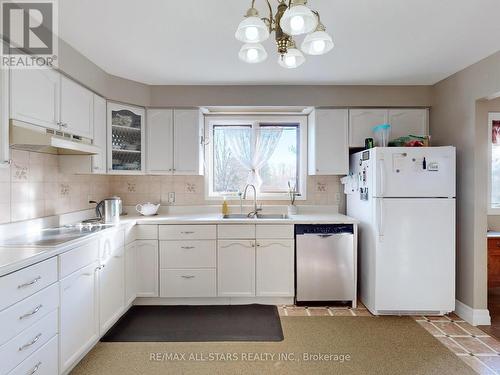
[[256, 217]]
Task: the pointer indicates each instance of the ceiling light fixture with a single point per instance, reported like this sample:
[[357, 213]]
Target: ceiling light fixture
[[292, 18]]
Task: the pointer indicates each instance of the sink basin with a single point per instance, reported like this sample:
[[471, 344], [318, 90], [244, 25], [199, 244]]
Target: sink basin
[[259, 216], [272, 216]]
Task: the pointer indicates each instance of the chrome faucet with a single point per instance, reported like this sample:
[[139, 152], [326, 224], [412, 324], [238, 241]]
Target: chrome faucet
[[255, 208]]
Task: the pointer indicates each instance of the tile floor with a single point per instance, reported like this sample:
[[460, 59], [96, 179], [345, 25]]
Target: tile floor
[[472, 345]]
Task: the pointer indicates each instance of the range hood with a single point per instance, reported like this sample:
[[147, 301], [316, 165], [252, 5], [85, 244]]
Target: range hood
[[28, 137]]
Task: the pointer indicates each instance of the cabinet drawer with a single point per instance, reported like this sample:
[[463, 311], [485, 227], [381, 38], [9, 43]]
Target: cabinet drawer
[[42, 362], [236, 231], [187, 232], [188, 283], [111, 241], [188, 254], [77, 258], [23, 283], [26, 343], [146, 232], [27, 312], [270, 231]]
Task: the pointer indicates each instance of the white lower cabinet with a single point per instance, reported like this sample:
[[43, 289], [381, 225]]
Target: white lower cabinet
[[42, 362], [275, 268], [79, 315], [236, 268], [147, 268], [111, 288], [27, 342], [188, 283], [130, 273]]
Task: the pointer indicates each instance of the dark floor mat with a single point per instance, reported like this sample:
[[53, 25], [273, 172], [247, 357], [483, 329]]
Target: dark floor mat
[[197, 323]]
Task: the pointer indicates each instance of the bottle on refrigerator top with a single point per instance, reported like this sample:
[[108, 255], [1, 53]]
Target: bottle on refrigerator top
[[382, 134]]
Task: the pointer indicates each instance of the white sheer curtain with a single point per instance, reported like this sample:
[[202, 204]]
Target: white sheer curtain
[[251, 153]]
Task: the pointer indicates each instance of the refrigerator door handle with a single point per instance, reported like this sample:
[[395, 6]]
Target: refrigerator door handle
[[381, 167], [380, 219]]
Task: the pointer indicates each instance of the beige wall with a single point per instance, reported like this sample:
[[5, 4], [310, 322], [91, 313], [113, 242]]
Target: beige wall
[[453, 121], [341, 96]]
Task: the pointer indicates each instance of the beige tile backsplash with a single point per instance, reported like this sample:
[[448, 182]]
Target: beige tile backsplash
[[33, 186]]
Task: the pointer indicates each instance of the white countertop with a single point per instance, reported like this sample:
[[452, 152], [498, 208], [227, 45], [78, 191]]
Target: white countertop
[[15, 258], [492, 234]]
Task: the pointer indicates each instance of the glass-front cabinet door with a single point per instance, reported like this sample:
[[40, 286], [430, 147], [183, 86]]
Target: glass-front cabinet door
[[126, 139]]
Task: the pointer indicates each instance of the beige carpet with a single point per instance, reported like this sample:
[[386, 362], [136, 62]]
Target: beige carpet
[[384, 345]]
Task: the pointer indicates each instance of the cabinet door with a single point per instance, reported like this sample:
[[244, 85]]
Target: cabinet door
[[160, 132], [328, 142], [130, 273], [126, 139], [4, 118], [77, 104], [361, 123], [275, 268], [111, 288], [236, 268], [408, 121], [34, 96], [187, 142], [79, 314], [147, 268], [99, 160]]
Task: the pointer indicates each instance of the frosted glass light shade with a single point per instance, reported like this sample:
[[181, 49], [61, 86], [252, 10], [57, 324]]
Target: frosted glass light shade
[[252, 53], [317, 43], [252, 30], [292, 59], [298, 19]]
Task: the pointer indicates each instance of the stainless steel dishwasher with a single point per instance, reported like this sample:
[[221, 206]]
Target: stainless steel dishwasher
[[326, 263]]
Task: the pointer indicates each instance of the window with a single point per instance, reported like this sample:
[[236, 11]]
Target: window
[[494, 143], [268, 152]]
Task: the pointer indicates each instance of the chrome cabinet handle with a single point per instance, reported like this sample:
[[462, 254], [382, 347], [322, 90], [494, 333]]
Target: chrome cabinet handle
[[33, 312], [252, 244], [187, 232], [34, 281], [187, 247], [35, 369], [26, 346], [187, 276]]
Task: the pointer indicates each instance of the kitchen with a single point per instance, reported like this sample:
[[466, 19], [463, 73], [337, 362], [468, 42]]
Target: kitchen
[[236, 210]]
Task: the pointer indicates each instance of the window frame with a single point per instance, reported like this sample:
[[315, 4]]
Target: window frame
[[492, 116], [254, 120]]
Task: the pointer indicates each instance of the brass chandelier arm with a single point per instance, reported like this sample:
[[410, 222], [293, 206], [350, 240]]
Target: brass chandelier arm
[[269, 20]]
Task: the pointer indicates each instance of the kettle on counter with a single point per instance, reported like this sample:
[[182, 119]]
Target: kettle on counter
[[109, 210]]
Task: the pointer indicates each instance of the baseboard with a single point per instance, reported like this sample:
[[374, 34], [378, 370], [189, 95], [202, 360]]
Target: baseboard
[[476, 317], [213, 301]]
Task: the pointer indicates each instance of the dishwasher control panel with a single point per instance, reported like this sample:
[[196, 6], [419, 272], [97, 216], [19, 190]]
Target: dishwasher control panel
[[323, 229]]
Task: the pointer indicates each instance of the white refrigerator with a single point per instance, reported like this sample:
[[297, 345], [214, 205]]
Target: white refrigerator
[[404, 198]]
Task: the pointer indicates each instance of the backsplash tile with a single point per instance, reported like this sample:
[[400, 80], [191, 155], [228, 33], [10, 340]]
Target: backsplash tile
[[33, 186]]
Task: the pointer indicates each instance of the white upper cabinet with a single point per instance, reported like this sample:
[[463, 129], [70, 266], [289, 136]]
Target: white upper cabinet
[[403, 122], [99, 160], [408, 121], [77, 105], [361, 123], [328, 142], [34, 96], [187, 141], [173, 141], [4, 118], [159, 145], [126, 139]]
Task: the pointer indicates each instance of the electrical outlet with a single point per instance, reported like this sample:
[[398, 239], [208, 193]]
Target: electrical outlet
[[337, 197], [171, 197]]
